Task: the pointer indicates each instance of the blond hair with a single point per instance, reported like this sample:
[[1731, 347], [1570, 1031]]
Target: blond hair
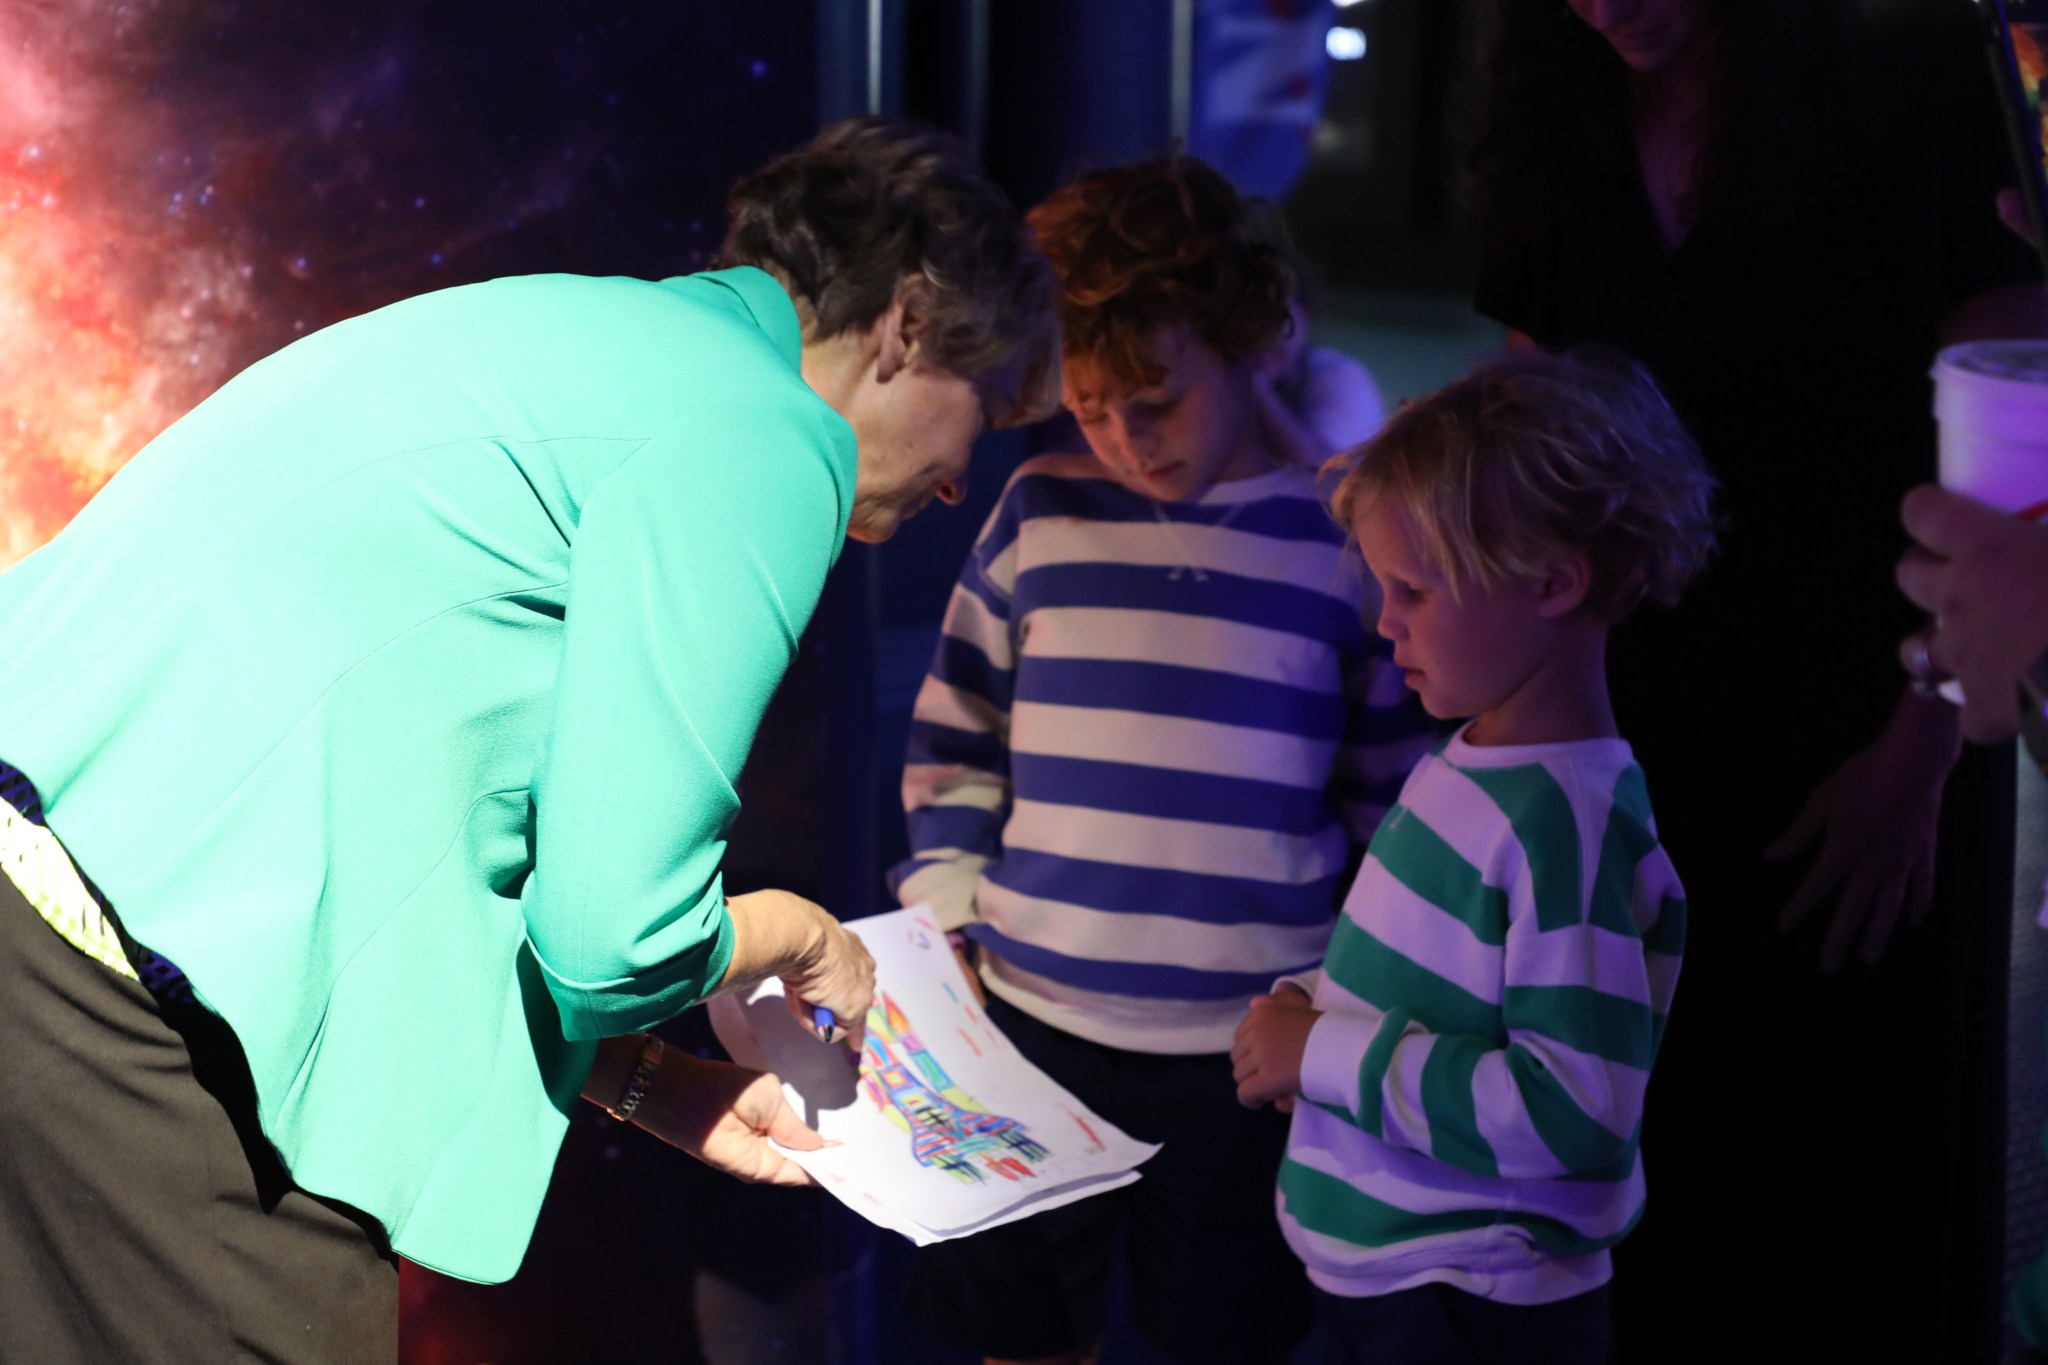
[[1534, 455]]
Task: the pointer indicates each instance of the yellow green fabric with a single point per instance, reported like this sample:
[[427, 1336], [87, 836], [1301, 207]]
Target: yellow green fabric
[[46, 877], [397, 694]]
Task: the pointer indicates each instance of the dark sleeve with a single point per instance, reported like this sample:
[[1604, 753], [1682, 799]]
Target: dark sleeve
[[1968, 153]]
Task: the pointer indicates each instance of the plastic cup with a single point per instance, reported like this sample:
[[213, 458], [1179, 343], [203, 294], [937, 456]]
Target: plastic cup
[[1991, 398]]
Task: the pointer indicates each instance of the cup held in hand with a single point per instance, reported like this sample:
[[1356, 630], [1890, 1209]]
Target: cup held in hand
[[1991, 398]]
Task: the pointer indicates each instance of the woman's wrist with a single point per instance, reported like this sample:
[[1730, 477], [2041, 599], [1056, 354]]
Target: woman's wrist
[[1928, 729], [774, 933], [612, 1069]]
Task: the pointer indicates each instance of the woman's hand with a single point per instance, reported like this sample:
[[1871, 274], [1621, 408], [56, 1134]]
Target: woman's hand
[[965, 953], [1982, 574], [820, 964], [1875, 821], [724, 1115]]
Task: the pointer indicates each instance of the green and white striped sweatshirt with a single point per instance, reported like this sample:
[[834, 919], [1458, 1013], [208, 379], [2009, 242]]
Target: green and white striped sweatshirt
[[1492, 1000]]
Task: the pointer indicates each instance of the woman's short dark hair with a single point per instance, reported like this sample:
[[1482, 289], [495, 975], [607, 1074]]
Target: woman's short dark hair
[[872, 201]]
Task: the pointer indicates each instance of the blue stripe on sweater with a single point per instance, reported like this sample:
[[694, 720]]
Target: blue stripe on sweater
[[1136, 789], [931, 742], [964, 665], [1172, 690], [1195, 896], [1148, 981], [1226, 597], [964, 827]]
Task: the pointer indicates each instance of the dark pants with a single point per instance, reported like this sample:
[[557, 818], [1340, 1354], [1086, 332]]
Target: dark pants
[[1434, 1324], [143, 1217], [1212, 1282]]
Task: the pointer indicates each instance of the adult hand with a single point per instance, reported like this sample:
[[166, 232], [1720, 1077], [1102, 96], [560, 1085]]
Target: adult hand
[[1874, 820], [776, 933], [1265, 1056], [838, 974], [1983, 574], [726, 1116]]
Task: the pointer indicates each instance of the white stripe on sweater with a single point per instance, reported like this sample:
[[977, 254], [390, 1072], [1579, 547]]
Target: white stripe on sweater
[[1315, 565], [1172, 742], [1134, 635]]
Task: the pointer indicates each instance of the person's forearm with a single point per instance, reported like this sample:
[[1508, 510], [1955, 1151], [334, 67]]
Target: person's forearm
[[1929, 728], [612, 1068], [773, 934]]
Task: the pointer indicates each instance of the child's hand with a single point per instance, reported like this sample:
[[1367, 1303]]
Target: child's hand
[[965, 953], [1266, 1055]]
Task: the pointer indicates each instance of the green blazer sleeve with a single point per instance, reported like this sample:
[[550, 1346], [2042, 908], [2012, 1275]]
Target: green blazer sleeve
[[694, 570]]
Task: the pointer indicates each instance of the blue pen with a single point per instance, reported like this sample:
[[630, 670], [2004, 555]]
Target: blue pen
[[824, 1021]]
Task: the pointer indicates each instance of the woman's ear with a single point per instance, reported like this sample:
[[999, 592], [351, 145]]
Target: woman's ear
[[1565, 587], [900, 324]]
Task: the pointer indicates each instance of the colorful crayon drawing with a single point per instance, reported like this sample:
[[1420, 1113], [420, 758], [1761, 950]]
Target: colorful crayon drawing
[[947, 1129]]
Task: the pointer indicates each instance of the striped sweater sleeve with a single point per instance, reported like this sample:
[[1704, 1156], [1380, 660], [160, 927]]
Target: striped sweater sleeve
[[956, 773], [1497, 1007]]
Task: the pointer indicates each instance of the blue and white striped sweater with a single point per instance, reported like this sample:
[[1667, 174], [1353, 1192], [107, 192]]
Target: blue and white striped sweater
[[1151, 740]]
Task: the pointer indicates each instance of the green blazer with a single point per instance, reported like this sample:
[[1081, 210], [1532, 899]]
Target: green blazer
[[397, 694]]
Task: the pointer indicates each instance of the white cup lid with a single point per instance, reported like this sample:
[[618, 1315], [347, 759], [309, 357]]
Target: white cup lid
[[2021, 359]]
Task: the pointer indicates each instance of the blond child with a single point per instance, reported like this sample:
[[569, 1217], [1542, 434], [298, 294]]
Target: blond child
[[1474, 1050]]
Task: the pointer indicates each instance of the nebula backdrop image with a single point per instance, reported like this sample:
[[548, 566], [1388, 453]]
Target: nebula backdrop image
[[188, 185]]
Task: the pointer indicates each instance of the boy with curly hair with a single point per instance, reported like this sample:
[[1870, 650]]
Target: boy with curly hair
[[1157, 729], [1475, 1049]]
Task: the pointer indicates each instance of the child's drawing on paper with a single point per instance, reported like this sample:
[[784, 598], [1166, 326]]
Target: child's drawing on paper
[[939, 1126], [947, 1129]]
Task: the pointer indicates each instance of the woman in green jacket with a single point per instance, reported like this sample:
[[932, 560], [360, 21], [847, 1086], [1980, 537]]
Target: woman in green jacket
[[396, 695]]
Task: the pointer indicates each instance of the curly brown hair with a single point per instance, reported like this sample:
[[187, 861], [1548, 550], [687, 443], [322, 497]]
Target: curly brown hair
[[1534, 454], [1161, 243], [870, 202], [1550, 103]]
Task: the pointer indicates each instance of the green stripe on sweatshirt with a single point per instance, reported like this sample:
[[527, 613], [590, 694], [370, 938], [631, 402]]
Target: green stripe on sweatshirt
[[1372, 1071], [1418, 857], [1325, 1204], [1579, 1144], [1333, 1207], [1454, 1135], [1667, 935], [1542, 816], [1622, 849], [1383, 978], [1585, 1020]]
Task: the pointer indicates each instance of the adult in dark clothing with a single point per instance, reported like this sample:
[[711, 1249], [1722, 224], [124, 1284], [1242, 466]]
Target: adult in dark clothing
[[1783, 207]]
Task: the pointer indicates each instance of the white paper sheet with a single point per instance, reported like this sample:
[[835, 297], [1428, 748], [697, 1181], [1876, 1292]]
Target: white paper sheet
[[944, 1128]]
